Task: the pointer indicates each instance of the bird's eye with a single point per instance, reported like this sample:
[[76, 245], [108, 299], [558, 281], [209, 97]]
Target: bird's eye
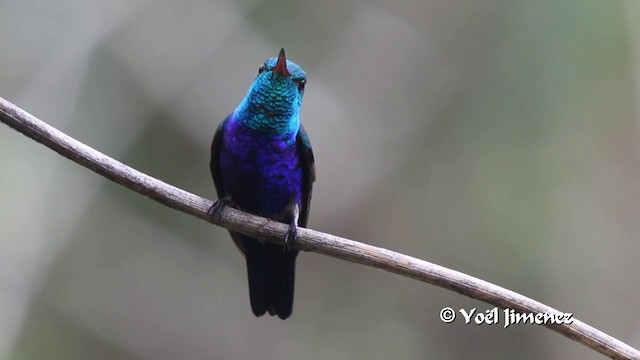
[[301, 84], [262, 69]]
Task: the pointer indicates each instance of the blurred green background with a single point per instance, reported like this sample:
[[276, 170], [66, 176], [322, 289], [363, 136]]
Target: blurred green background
[[498, 138]]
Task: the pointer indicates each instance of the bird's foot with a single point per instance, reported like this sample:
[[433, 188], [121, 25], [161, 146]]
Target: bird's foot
[[291, 235], [215, 211]]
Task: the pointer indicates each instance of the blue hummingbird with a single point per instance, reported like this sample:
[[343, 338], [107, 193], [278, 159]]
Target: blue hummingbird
[[262, 163]]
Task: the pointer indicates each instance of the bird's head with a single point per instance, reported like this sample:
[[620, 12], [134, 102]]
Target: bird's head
[[277, 91]]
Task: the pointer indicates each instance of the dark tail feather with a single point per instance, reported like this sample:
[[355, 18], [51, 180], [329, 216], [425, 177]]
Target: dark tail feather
[[271, 272], [283, 281], [258, 271]]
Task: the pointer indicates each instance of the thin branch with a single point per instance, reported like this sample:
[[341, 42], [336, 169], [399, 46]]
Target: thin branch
[[307, 239]]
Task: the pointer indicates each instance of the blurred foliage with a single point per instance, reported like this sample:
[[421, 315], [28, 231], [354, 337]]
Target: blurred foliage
[[497, 138]]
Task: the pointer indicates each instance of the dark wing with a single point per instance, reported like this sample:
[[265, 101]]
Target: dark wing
[[214, 163], [216, 173], [307, 163]]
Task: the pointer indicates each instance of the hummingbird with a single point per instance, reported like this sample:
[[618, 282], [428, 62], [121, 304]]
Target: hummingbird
[[262, 163]]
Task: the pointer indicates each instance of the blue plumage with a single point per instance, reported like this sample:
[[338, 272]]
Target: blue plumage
[[262, 163]]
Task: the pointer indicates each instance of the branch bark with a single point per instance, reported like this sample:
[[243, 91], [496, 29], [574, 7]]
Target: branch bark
[[308, 240]]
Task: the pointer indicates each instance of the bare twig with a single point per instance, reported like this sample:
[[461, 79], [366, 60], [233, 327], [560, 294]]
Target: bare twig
[[307, 239]]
